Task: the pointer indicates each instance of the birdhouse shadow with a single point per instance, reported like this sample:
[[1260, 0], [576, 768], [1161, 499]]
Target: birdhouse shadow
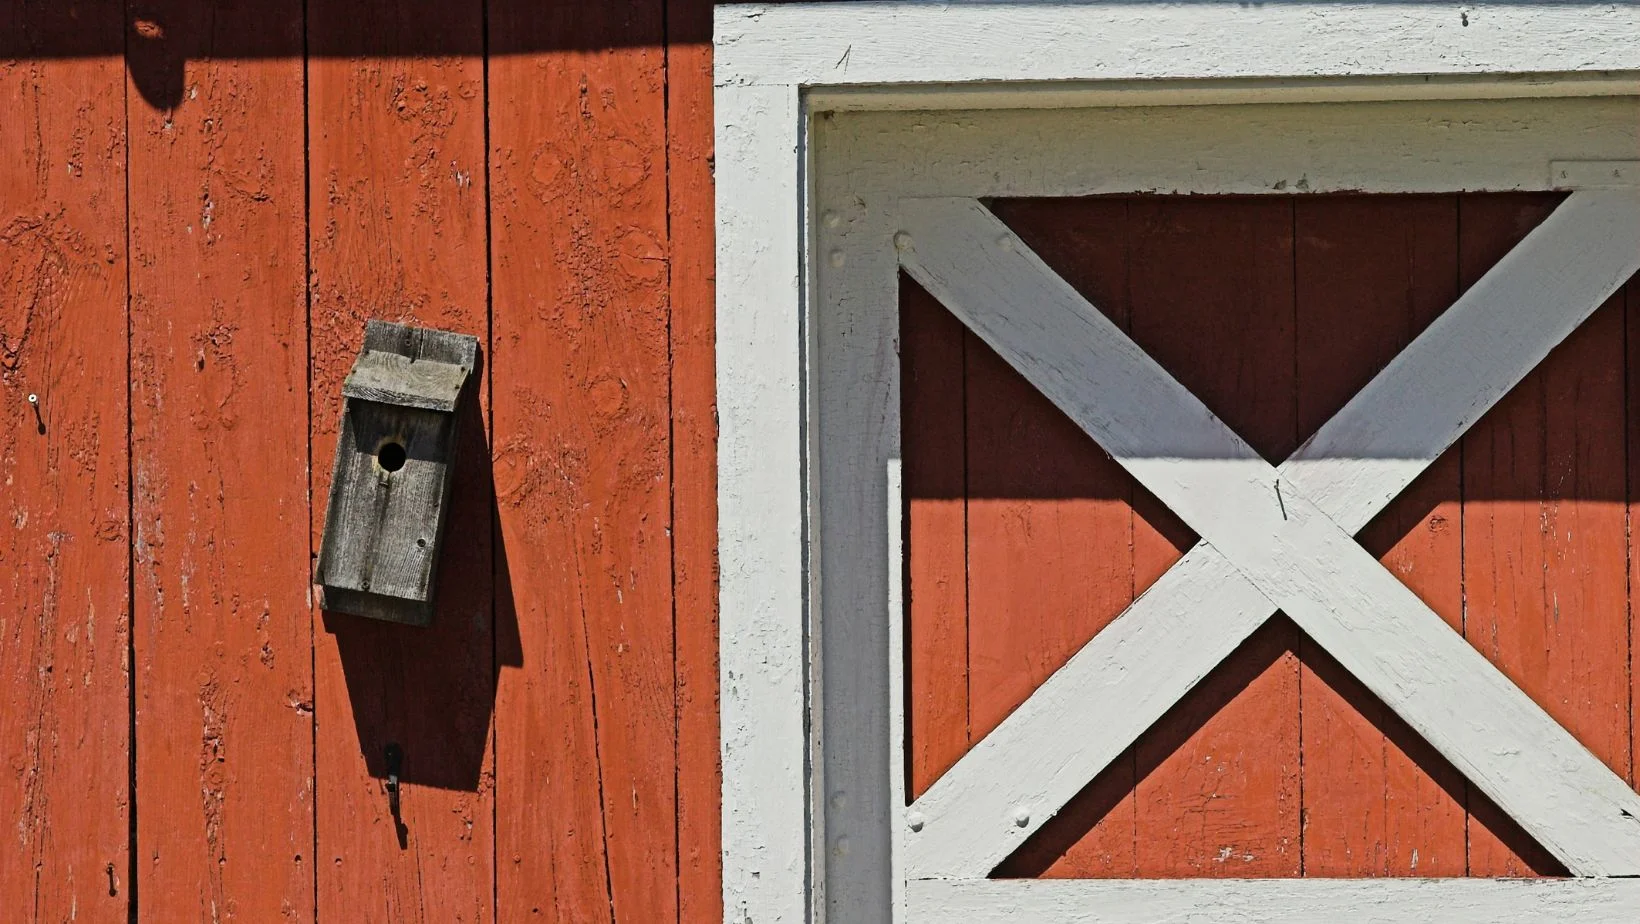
[[430, 692]]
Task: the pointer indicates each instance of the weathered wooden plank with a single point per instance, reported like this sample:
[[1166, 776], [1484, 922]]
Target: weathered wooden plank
[[1544, 533], [390, 484], [64, 742], [1050, 535], [1211, 284], [694, 456], [586, 827], [764, 666], [1371, 273], [932, 437], [390, 378], [1275, 901], [224, 711], [397, 166], [1298, 556], [382, 528], [930, 42]]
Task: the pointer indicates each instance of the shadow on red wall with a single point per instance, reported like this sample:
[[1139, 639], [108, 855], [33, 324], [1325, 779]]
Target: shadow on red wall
[[430, 692], [159, 37]]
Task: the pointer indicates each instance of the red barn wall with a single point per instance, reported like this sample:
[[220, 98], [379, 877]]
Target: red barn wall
[[200, 204]]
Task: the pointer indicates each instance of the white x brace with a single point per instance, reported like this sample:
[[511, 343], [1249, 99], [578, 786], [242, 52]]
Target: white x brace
[[1274, 538]]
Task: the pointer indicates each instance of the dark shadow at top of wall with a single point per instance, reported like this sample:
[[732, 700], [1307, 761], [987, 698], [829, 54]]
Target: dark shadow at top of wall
[[159, 37]]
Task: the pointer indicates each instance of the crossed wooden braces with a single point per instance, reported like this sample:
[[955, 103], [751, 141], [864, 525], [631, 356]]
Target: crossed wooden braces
[[1274, 537]]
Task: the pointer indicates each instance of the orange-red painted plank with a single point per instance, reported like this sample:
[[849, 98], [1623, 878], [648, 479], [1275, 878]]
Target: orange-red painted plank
[[1050, 534], [224, 711], [397, 199], [1371, 273], [932, 427], [64, 553], [691, 214], [1211, 283], [1631, 337], [585, 731], [1545, 571]]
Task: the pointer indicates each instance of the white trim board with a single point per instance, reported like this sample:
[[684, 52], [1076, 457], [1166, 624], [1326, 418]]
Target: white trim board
[[807, 327], [926, 41], [1274, 901]]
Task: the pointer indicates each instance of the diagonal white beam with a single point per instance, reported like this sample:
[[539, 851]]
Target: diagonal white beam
[[1123, 680], [1095, 706]]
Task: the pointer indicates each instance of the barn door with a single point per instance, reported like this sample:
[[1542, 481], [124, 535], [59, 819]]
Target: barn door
[[1265, 537]]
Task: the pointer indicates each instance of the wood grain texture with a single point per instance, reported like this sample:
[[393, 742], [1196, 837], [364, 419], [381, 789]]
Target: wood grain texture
[[586, 822], [690, 200], [390, 483], [764, 667], [1371, 274], [1544, 535], [1212, 289], [223, 640], [1054, 348], [397, 231], [64, 554], [1051, 534]]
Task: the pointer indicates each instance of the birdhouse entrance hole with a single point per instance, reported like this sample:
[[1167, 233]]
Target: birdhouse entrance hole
[[390, 456]]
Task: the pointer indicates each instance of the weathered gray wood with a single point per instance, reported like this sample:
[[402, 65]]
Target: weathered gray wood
[[390, 378], [390, 489], [421, 343]]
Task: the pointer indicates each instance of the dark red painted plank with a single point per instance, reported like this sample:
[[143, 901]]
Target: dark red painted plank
[[932, 428], [1631, 335], [1545, 532], [223, 638], [64, 552], [397, 231], [1371, 273], [585, 733], [1050, 533], [1211, 283]]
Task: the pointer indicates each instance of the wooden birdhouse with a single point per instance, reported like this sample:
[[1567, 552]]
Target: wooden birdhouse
[[394, 459]]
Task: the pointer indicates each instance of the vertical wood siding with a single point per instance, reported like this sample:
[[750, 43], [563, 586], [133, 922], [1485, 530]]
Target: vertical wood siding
[[579, 231], [396, 199], [65, 535], [538, 176], [200, 205], [1371, 273], [1025, 540], [222, 638]]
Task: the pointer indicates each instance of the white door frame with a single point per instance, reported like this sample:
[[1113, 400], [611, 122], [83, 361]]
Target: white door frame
[[809, 207]]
